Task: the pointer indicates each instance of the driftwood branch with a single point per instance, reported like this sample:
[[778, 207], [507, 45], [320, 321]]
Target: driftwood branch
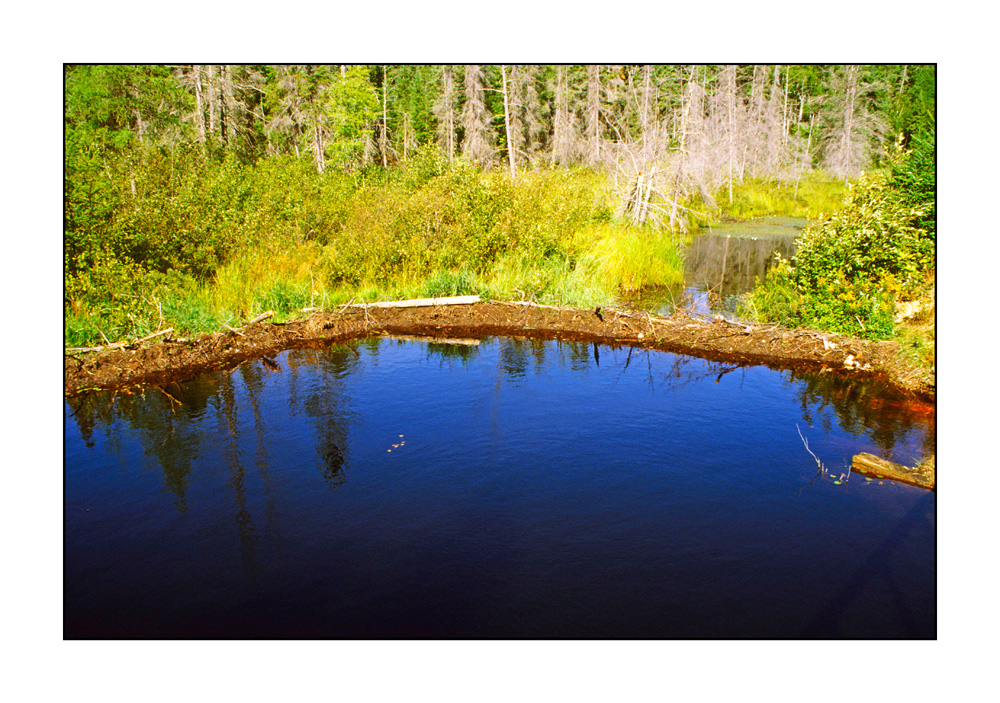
[[875, 467], [806, 443], [262, 316]]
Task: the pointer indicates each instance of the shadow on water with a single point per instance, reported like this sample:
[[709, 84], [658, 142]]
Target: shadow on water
[[877, 571]]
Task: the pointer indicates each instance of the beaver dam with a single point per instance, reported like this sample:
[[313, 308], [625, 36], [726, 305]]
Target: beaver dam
[[493, 470]]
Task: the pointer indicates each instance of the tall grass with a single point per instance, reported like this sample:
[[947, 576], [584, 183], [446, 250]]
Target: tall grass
[[815, 196]]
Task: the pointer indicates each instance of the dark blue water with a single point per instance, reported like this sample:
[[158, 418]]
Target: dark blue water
[[513, 489]]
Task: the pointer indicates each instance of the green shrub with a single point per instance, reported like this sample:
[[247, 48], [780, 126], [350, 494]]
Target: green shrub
[[849, 271]]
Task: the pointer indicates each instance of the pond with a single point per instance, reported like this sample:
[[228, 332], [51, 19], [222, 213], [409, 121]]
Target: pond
[[495, 488], [722, 263]]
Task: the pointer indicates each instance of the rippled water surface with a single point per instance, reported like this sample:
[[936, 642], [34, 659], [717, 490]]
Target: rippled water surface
[[506, 489]]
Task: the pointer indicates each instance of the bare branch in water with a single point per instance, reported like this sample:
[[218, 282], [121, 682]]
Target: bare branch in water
[[806, 443]]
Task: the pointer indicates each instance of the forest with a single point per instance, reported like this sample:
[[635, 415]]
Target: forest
[[198, 196]]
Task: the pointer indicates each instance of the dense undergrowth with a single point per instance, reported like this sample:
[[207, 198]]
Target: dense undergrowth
[[868, 270], [180, 239], [172, 239]]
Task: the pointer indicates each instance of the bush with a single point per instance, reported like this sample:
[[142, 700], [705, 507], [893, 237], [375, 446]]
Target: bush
[[848, 272]]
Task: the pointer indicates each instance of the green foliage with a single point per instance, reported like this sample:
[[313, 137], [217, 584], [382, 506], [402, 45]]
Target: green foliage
[[849, 271], [349, 104]]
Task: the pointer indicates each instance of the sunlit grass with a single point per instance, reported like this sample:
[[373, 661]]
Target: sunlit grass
[[815, 196], [631, 258]]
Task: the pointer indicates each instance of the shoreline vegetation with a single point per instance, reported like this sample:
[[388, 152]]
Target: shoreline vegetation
[[195, 203]]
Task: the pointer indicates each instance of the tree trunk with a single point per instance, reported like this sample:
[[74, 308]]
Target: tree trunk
[[446, 113], [478, 144], [506, 121], [199, 117], [561, 141], [211, 100], [730, 81], [852, 89], [593, 114], [384, 137], [682, 160], [647, 119]]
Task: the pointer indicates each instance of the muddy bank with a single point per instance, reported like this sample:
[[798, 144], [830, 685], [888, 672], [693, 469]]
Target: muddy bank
[[159, 362]]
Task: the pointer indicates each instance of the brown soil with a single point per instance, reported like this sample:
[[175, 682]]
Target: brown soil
[[174, 360]]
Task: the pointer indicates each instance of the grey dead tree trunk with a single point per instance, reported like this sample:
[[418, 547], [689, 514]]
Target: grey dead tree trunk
[[478, 143], [648, 172], [211, 100], [593, 122], [753, 139], [808, 157], [848, 128], [506, 121], [384, 145], [564, 139], [409, 138], [199, 114], [852, 90], [228, 106], [729, 83], [687, 98], [444, 110]]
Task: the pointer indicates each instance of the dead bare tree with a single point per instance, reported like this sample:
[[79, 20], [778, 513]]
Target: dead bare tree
[[444, 110], [593, 115], [480, 137], [566, 137], [506, 120], [848, 127]]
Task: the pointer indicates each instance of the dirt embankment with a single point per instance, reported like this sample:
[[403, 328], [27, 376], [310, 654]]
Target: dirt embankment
[[172, 360]]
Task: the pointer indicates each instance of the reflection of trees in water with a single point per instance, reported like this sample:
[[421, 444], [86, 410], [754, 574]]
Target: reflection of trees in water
[[729, 265], [462, 353], [170, 425], [868, 409], [166, 420], [170, 422], [324, 402]]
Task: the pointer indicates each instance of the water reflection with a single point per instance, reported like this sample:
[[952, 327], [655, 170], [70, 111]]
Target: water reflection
[[728, 265], [172, 422], [723, 263], [865, 408]]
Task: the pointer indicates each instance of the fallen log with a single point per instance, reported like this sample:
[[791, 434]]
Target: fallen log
[[872, 466], [421, 302]]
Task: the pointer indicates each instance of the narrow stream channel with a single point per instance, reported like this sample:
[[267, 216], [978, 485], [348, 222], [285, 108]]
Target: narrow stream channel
[[722, 263], [500, 488]]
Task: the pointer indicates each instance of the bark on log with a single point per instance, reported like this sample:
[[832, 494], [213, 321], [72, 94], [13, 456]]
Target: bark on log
[[872, 466]]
